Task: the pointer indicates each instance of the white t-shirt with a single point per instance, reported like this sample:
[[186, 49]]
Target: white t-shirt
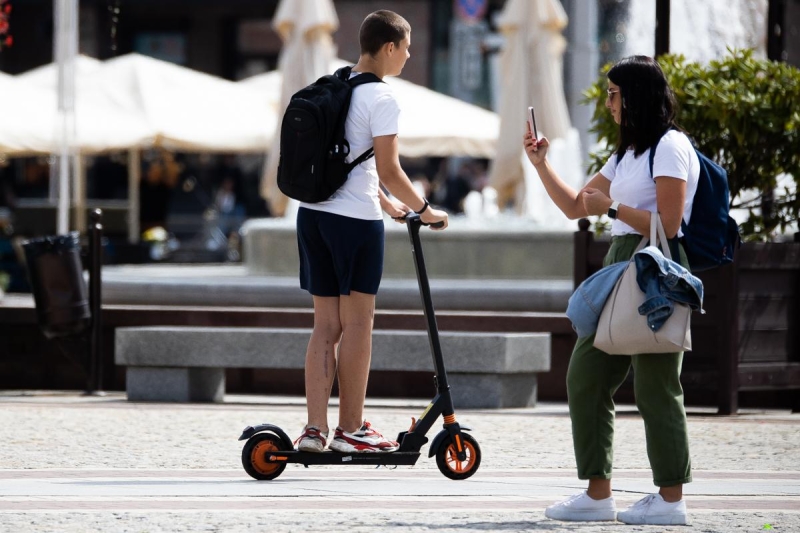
[[632, 184], [373, 112]]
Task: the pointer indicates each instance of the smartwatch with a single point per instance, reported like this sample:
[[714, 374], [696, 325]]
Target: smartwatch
[[612, 211]]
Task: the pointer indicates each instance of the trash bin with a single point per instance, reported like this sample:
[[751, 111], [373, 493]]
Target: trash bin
[[59, 290]]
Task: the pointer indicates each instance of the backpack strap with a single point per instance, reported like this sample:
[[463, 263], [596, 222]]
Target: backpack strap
[[365, 77], [360, 79], [652, 158], [360, 159], [653, 153]]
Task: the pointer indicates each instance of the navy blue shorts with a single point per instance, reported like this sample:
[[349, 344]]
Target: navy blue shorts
[[339, 254]]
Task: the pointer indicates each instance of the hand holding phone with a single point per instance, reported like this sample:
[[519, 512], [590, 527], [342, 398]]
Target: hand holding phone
[[532, 123]]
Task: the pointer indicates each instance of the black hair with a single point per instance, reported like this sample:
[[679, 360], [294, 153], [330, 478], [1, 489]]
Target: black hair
[[382, 27], [648, 103]]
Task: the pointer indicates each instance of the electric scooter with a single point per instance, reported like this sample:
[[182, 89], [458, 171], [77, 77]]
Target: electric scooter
[[269, 449]]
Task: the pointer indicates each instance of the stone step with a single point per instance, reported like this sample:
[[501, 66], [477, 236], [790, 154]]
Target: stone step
[[231, 285]]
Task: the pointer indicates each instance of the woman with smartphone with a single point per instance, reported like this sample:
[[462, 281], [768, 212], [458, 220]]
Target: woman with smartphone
[[643, 105]]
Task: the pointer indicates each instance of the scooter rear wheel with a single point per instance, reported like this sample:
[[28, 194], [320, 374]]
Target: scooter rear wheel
[[254, 456], [448, 462]]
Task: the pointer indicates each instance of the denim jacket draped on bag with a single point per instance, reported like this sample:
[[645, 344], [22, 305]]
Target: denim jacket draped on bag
[[662, 280]]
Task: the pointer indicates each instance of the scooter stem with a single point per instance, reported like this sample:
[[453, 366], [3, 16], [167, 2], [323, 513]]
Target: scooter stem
[[414, 223]]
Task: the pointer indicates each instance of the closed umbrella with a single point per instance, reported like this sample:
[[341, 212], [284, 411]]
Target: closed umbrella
[[531, 64], [305, 27]]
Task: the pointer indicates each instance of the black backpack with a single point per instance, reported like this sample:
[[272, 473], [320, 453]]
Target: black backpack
[[711, 236], [313, 148]]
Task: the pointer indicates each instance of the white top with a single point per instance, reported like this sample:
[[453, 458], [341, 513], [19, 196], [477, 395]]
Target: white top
[[632, 184], [373, 112]]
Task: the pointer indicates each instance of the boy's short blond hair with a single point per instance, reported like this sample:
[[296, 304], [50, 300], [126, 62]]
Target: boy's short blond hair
[[382, 27]]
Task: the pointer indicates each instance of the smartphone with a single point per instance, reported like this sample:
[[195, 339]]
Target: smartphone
[[532, 123]]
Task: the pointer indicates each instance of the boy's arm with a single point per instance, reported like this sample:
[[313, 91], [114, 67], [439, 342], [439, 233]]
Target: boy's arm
[[394, 178], [393, 208]]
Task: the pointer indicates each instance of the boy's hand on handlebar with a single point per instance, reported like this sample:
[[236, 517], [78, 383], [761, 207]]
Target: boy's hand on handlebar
[[432, 216], [397, 210], [535, 150]]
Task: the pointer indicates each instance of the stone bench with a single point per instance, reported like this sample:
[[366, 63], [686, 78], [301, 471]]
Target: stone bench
[[182, 364]]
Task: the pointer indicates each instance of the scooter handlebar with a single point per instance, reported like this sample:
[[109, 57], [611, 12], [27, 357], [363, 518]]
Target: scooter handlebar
[[414, 218]]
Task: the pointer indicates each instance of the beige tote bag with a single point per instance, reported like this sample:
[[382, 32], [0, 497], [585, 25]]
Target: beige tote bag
[[621, 330]]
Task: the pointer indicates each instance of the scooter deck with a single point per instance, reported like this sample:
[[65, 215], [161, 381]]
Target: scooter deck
[[336, 458]]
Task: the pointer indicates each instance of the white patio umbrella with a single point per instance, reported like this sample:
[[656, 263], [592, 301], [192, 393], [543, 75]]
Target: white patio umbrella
[[183, 109], [29, 124], [431, 124], [305, 27], [531, 64], [28, 118], [47, 75], [186, 110], [100, 125]]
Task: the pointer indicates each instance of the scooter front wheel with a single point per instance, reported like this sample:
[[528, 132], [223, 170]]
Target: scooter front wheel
[[254, 456], [448, 462]]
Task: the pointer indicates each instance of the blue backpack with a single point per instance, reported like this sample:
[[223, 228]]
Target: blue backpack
[[711, 236]]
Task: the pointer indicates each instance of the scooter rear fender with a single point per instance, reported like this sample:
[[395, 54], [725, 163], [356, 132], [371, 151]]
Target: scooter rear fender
[[249, 431]]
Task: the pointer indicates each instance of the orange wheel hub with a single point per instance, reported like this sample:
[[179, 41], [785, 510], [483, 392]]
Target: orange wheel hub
[[454, 464], [258, 457]]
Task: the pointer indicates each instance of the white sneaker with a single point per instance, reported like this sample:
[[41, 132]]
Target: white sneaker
[[652, 509], [582, 508]]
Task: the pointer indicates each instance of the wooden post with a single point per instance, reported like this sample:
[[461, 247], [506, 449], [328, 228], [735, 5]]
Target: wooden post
[[134, 177], [776, 18], [95, 382], [662, 27], [581, 242], [727, 327]]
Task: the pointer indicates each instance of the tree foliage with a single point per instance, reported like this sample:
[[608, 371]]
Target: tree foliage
[[743, 112]]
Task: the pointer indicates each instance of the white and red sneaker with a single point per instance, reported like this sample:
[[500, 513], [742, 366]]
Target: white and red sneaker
[[312, 440], [364, 440]]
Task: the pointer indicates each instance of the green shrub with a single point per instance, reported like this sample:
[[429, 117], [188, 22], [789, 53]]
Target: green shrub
[[743, 112]]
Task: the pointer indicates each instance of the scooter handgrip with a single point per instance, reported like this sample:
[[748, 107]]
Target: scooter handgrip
[[436, 225]]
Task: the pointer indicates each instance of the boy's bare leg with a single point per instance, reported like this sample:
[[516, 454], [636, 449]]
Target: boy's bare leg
[[356, 312], [321, 359]]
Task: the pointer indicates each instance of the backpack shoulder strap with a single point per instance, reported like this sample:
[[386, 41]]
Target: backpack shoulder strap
[[360, 159], [653, 153], [361, 79], [366, 77]]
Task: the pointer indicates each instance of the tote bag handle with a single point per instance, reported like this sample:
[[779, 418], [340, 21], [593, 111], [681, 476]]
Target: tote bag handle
[[657, 237]]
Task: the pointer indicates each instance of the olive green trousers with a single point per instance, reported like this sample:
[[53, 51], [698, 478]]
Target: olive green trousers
[[593, 378]]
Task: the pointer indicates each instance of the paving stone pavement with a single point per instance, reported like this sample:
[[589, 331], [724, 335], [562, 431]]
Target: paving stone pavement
[[74, 463]]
